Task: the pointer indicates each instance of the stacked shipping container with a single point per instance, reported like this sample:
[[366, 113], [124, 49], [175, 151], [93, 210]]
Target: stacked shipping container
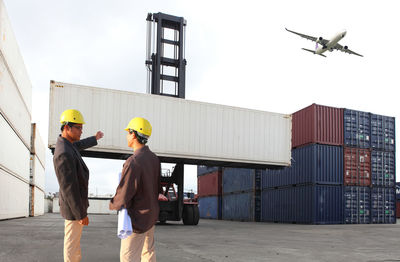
[[209, 191], [18, 158], [310, 191]]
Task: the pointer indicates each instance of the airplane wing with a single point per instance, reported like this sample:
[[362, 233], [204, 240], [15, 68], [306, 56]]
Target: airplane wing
[[312, 38], [345, 49]]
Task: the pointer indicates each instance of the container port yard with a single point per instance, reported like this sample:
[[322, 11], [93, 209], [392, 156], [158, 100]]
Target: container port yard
[[266, 154]]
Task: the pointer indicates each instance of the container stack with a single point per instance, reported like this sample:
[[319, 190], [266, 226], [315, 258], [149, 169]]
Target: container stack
[[37, 173], [343, 170], [241, 194], [209, 190], [15, 125], [310, 191]]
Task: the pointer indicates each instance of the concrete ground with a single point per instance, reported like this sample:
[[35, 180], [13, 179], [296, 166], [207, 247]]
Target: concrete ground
[[41, 239]]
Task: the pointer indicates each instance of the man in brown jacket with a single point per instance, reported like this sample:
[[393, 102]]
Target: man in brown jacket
[[73, 176], [138, 192]]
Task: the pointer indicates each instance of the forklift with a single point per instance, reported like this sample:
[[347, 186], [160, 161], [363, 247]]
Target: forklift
[[166, 65]]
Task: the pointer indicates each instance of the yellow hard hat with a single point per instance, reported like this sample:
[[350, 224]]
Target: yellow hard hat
[[71, 116], [141, 126]]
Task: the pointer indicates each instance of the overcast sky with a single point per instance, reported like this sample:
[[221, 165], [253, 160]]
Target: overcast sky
[[238, 54]]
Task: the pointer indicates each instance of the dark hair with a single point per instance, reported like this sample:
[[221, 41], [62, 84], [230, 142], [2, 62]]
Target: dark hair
[[142, 140], [70, 124]]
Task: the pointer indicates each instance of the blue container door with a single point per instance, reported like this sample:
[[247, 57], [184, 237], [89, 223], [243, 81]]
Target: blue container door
[[357, 128], [238, 206], [356, 205], [383, 205], [383, 132], [383, 168], [210, 207]]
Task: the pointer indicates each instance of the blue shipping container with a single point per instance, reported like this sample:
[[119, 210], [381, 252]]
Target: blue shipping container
[[357, 128], [383, 205], [240, 206], [383, 168], [313, 164], [307, 204], [203, 170], [357, 205], [235, 180], [383, 132], [210, 207]]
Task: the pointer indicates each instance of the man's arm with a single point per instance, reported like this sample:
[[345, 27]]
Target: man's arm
[[69, 185], [127, 187], [89, 141]]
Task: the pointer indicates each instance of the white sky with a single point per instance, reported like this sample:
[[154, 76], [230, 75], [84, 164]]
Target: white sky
[[238, 54]]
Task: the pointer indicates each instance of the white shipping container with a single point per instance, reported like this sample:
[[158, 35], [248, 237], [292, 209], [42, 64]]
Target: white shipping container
[[10, 51], [187, 130], [56, 205], [48, 205], [100, 206], [38, 176], [38, 147], [12, 105], [14, 196], [38, 202], [14, 156]]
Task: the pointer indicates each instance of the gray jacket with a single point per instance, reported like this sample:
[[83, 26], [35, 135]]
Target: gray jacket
[[73, 177]]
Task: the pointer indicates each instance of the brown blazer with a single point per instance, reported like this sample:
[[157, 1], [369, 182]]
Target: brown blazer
[[73, 177], [139, 188]]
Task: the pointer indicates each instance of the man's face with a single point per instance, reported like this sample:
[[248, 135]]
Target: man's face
[[129, 138], [74, 132]]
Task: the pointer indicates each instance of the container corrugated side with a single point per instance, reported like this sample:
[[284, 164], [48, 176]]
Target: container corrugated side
[[204, 170], [319, 164], [10, 51], [383, 205], [317, 124], [238, 180], [239, 206], [39, 202], [38, 176], [383, 168], [14, 196], [210, 207], [12, 106], [37, 146], [307, 204], [357, 128], [383, 132], [357, 205], [210, 184], [14, 156], [357, 166], [182, 129]]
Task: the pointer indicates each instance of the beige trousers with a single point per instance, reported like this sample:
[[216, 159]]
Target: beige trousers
[[138, 247], [72, 241]]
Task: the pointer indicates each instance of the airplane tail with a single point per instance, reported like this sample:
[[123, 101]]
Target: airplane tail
[[312, 51]]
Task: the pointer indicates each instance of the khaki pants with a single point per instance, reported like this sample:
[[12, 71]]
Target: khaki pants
[[138, 247], [72, 241]]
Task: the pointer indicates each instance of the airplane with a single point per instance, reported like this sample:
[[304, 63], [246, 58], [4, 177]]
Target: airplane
[[330, 45]]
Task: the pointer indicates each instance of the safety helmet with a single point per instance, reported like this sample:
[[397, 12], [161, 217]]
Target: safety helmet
[[141, 126], [71, 116]]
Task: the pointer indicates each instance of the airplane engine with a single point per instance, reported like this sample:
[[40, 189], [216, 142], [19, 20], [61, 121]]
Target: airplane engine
[[330, 49], [345, 47], [319, 39]]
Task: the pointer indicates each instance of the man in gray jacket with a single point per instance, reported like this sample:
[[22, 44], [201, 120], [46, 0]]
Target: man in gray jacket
[[73, 176]]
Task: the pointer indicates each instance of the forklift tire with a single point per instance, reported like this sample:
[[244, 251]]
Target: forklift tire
[[196, 214], [187, 215]]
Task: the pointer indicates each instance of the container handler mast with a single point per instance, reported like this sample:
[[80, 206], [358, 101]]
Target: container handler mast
[[166, 64]]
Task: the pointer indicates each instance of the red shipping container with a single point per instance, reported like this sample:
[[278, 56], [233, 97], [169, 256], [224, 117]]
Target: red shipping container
[[398, 209], [357, 166], [210, 184], [317, 124]]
